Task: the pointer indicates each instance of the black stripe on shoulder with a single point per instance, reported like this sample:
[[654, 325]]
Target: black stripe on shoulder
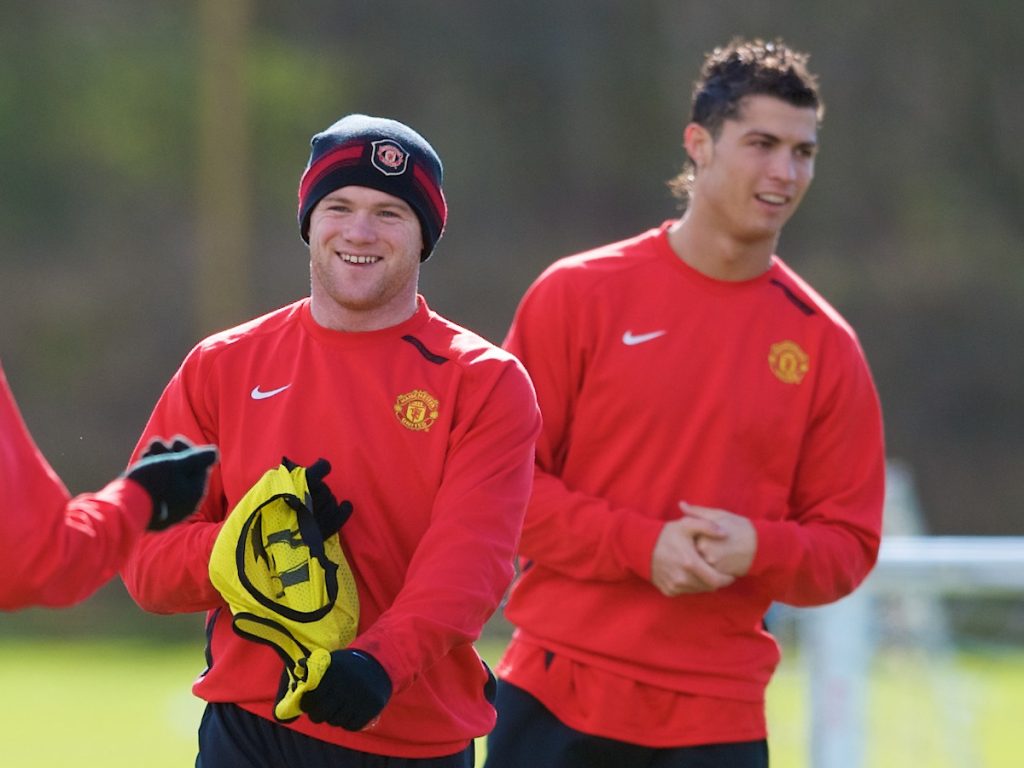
[[436, 359], [802, 305]]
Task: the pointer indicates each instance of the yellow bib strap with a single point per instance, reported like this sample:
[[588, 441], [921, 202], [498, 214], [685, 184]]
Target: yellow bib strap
[[303, 668]]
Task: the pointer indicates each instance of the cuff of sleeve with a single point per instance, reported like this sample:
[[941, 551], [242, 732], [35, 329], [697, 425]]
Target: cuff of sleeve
[[776, 550], [393, 666], [129, 496], [635, 540]]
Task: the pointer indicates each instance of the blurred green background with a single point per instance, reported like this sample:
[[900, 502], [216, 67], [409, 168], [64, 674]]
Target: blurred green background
[[150, 154], [123, 702], [90, 703]]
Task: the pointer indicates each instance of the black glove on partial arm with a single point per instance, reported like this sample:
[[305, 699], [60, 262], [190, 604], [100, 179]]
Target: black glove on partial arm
[[329, 514], [353, 691], [175, 476]]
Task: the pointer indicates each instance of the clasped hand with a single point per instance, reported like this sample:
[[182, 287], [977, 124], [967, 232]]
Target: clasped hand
[[704, 550]]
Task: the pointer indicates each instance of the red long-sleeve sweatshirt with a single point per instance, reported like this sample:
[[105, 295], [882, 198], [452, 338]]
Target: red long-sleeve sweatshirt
[[63, 549], [658, 384], [430, 433]]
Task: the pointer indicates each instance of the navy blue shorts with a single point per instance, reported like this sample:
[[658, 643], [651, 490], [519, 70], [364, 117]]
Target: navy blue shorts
[[230, 737], [528, 735]]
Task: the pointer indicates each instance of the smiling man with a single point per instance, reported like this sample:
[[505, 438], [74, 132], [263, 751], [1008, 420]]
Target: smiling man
[[712, 443], [423, 427]]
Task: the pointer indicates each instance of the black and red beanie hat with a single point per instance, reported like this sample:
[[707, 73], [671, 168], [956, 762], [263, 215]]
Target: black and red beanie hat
[[381, 154]]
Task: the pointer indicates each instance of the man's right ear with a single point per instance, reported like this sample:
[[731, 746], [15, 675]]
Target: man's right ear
[[697, 142]]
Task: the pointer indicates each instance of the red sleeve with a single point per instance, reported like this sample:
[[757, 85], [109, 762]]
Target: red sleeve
[[578, 535], [63, 549], [464, 563], [168, 572], [829, 540]]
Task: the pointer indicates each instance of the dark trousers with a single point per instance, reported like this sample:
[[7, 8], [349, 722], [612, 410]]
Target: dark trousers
[[529, 736], [230, 737]]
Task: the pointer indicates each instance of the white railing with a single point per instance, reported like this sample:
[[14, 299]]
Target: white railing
[[838, 638]]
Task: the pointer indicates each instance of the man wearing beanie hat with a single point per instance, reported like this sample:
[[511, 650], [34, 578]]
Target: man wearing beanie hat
[[381, 154], [425, 428]]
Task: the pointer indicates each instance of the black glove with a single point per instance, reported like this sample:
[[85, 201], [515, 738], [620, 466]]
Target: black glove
[[353, 691], [175, 478], [329, 514]]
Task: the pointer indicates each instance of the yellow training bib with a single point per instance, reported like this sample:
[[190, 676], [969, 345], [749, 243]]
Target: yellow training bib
[[286, 585]]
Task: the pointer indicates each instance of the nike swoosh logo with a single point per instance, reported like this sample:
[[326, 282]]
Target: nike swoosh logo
[[258, 394], [631, 339]]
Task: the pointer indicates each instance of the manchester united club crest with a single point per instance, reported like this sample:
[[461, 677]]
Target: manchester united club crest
[[417, 410], [788, 362], [389, 157]]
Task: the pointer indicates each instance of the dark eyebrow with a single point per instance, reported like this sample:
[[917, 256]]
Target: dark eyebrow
[[339, 197], [754, 133]]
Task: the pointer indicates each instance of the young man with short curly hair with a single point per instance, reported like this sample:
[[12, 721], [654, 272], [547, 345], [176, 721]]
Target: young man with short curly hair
[[712, 443]]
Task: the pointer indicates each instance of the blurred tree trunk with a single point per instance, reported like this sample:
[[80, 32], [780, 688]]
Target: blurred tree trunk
[[222, 269]]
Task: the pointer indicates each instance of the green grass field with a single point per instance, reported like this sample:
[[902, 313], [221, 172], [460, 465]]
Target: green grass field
[[92, 703]]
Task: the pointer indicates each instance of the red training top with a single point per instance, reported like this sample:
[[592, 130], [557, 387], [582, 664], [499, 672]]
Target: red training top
[[658, 384], [430, 433], [63, 549]]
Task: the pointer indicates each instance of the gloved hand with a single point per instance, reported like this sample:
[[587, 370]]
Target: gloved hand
[[353, 691], [329, 514], [175, 476]]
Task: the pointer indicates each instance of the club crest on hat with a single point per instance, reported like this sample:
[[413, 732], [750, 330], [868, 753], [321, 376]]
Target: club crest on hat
[[389, 157]]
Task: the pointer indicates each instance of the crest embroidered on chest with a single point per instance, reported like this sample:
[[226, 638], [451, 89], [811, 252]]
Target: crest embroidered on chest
[[788, 362], [417, 410]]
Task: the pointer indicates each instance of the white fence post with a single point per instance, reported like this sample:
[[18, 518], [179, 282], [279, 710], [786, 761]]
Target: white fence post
[[838, 638], [838, 642]]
